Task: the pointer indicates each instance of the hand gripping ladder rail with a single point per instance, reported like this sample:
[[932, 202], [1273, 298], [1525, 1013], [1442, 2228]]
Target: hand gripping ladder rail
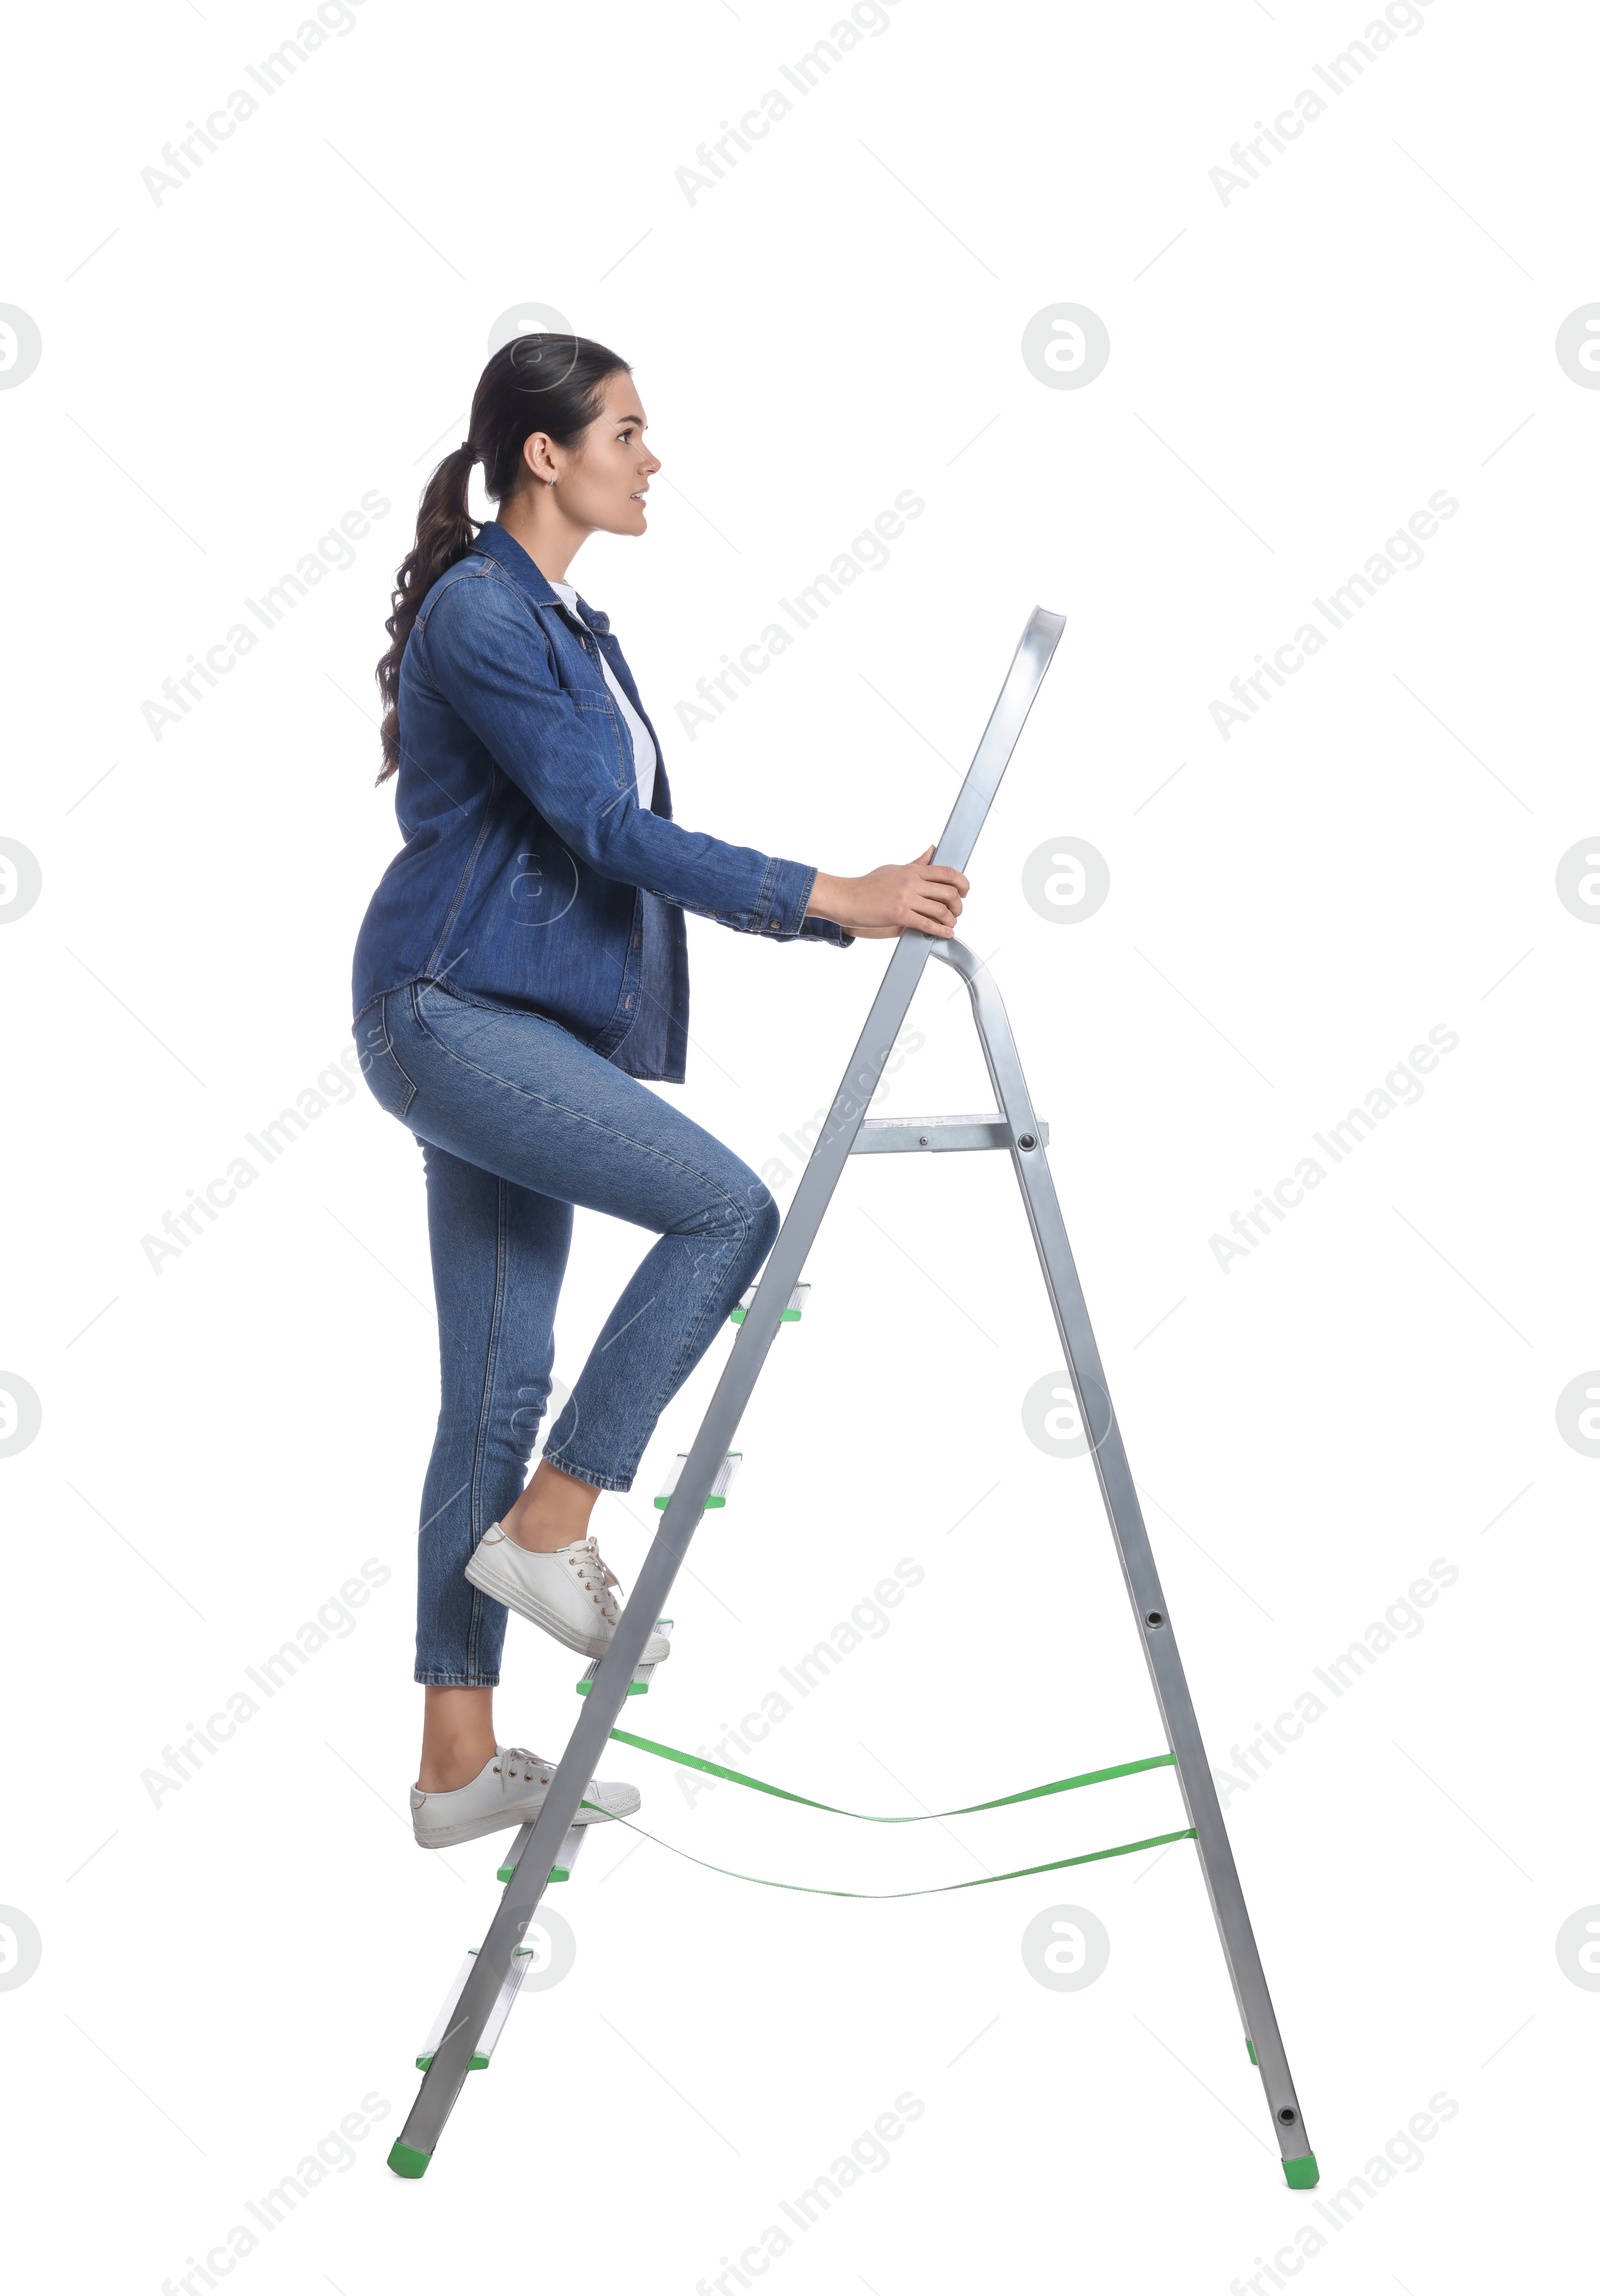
[[470, 2022]]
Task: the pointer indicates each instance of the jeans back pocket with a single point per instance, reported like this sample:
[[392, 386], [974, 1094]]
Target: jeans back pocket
[[388, 1082]]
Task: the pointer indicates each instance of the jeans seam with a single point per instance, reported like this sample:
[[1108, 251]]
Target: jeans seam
[[578, 1115], [705, 1309], [476, 1610], [669, 1384], [388, 1046]]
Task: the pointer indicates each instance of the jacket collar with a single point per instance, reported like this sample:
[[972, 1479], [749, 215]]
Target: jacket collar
[[494, 541]]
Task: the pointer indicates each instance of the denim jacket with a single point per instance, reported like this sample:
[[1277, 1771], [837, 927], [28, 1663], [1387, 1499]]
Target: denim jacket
[[531, 876]]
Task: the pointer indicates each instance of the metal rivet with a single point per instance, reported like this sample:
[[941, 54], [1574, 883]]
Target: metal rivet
[[1154, 1618], [1026, 1141]]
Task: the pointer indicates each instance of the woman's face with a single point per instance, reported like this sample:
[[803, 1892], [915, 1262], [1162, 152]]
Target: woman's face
[[600, 482]]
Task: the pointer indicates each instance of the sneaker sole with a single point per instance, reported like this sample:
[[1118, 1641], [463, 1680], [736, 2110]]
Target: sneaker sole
[[472, 1829], [588, 1817], [488, 1580]]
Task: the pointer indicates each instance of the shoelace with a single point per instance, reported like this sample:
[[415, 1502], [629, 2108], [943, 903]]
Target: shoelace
[[591, 1559], [519, 1766]]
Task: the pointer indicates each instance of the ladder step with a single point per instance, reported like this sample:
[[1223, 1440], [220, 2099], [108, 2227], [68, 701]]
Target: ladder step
[[718, 1494], [641, 1681], [791, 1314], [510, 1986], [566, 1856], [889, 1135]]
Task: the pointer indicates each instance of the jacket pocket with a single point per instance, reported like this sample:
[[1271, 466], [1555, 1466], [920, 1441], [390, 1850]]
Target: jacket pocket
[[585, 698]]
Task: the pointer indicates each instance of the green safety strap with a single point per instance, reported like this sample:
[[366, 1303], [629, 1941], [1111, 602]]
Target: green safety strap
[[967, 1810], [809, 1889]]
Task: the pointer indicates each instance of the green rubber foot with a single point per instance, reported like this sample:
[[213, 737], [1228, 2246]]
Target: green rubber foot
[[474, 2064], [1250, 2045], [1301, 2174], [789, 1315], [667, 1499], [405, 2160], [635, 1689]]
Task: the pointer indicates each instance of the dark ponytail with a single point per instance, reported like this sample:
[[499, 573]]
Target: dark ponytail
[[543, 382]]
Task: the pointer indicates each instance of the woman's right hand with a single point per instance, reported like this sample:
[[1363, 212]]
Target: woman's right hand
[[900, 897]]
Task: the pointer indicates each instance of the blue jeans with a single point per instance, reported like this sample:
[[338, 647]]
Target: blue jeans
[[518, 1122]]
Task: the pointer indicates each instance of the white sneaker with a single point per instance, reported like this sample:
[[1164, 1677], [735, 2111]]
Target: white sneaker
[[567, 1592], [508, 1791]]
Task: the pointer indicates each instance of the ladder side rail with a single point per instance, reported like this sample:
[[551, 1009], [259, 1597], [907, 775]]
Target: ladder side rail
[[1131, 1539], [1033, 656]]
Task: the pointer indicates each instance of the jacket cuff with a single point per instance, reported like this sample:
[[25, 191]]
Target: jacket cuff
[[825, 929], [785, 894]]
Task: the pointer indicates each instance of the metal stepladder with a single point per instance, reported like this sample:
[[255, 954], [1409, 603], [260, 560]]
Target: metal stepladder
[[470, 2022]]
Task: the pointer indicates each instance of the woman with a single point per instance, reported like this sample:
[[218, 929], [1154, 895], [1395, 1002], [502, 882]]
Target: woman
[[521, 966]]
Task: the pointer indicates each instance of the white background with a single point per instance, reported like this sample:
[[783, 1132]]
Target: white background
[[225, 1975]]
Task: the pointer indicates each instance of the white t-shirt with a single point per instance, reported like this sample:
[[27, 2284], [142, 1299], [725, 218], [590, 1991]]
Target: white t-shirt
[[644, 749]]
